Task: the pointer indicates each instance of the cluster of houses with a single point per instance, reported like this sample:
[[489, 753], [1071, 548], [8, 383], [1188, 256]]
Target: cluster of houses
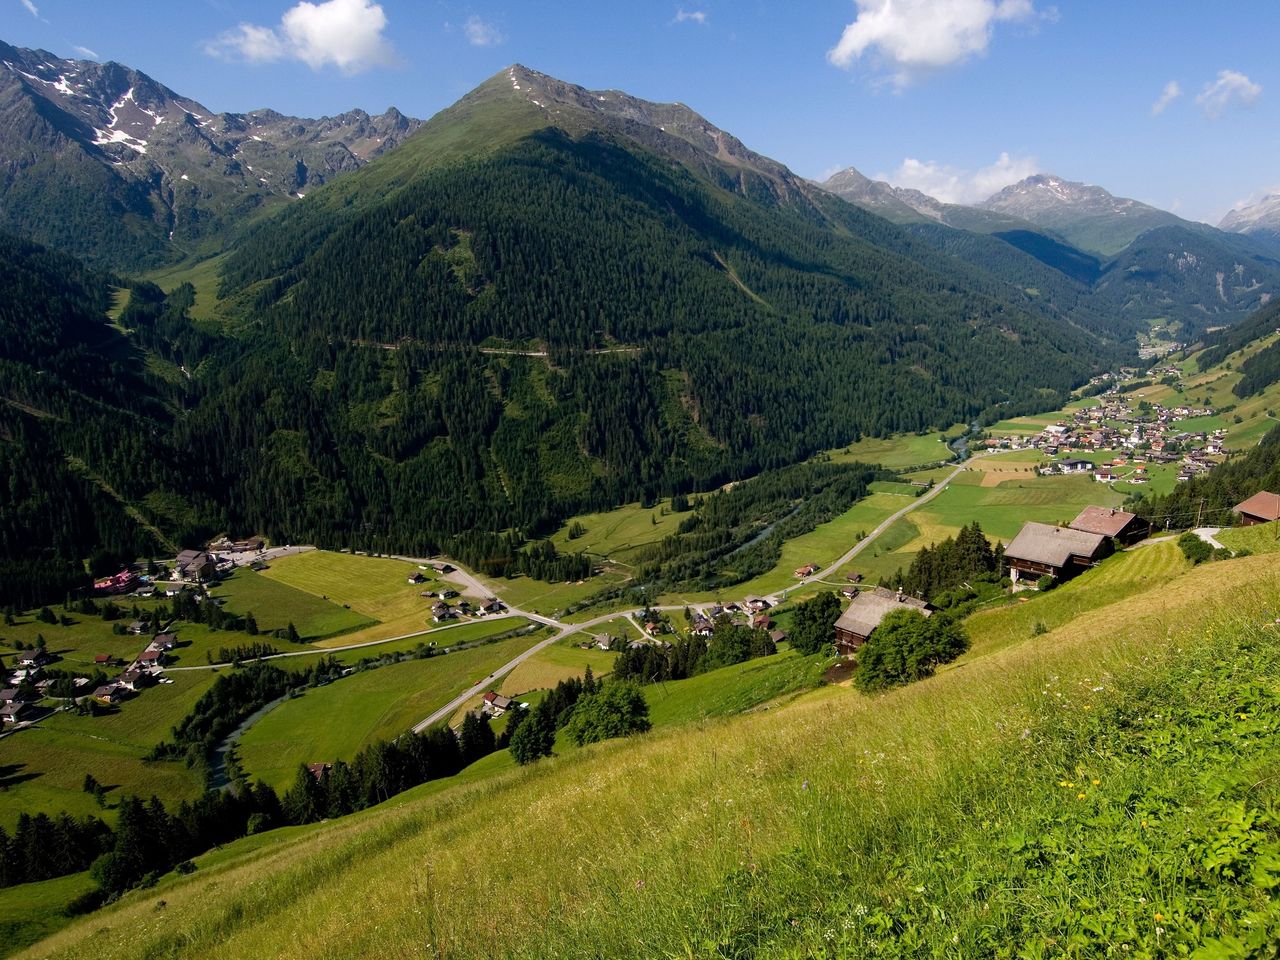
[[17, 699], [146, 669], [442, 609], [1138, 437], [190, 568]]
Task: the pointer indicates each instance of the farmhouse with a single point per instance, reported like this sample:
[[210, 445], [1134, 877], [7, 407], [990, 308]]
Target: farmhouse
[[1074, 466], [108, 693], [1262, 507], [1059, 552], [1110, 522], [864, 614], [151, 658], [495, 704], [319, 770], [808, 570], [33, 659], [17, 712]]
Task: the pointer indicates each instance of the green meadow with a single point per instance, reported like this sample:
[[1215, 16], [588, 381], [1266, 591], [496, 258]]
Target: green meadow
[[275, 604], [1090, 784], [335, 721]]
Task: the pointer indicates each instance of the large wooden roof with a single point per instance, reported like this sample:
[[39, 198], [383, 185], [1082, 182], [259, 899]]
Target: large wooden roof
[[1052, 546]]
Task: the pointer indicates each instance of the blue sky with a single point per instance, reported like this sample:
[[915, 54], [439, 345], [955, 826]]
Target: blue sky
[[955, 97]]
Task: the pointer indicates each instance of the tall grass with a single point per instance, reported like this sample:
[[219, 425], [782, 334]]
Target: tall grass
[[931, 820]]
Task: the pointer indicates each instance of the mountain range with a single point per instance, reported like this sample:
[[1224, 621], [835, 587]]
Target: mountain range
[[1260, 220], [140, 175], [1137, 261], [542, 301]]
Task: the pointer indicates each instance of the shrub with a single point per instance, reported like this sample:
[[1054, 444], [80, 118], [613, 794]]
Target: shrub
[[1047, 582], [907, 646], [1194, 549], [619, 710]]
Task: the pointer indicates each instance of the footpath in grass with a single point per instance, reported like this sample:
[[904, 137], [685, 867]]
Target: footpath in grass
[[335, 721]]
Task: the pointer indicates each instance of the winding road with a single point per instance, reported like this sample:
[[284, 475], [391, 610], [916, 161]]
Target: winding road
[[565, 629], [561, 629]]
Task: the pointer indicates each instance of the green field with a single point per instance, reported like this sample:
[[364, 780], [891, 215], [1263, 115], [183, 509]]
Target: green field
[[374, 587], [1260, 538], [614, 534], [898, 452], [549, 599], [275, 604], [44, 766], [560, 661], [1001, 510], [730, 690], [1117, 578], [34, 910], [335, 721], [1039, 791]]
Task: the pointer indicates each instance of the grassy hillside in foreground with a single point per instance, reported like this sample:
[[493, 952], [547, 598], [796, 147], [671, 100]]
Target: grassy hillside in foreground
[[1103, 784]]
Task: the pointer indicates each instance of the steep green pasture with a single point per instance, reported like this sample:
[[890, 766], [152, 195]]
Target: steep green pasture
[[335, 721], [275, 604], [1104, 786], [43, 767]]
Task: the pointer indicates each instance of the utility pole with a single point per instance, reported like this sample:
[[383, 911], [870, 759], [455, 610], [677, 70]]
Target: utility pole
[[1199, 511]]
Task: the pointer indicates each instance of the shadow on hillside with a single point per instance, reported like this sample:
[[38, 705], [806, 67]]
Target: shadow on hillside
[[11, 775]]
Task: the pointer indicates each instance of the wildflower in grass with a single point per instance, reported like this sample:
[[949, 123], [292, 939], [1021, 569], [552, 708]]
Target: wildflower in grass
[[1243, 716], [1080, 796], [1097, 782], [1159, 918], [860, 910]]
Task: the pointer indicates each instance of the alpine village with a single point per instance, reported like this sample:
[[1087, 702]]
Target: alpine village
[[553, 529]]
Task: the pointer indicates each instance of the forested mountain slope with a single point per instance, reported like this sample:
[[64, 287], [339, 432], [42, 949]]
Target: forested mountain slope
[[705, 314], [84, 427]]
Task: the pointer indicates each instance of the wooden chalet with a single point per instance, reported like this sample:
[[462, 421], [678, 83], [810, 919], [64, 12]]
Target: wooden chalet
[[864, 614], [1262, 507], [1042, 549], [17, 712], [1110, 522]]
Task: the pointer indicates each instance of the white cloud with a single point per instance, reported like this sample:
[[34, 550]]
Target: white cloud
[[952, 185], [694, 16], [1171, 92], [481, 34], [916, 36], [85, 52], [31, 8], [347, 34], [1230, 85]]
